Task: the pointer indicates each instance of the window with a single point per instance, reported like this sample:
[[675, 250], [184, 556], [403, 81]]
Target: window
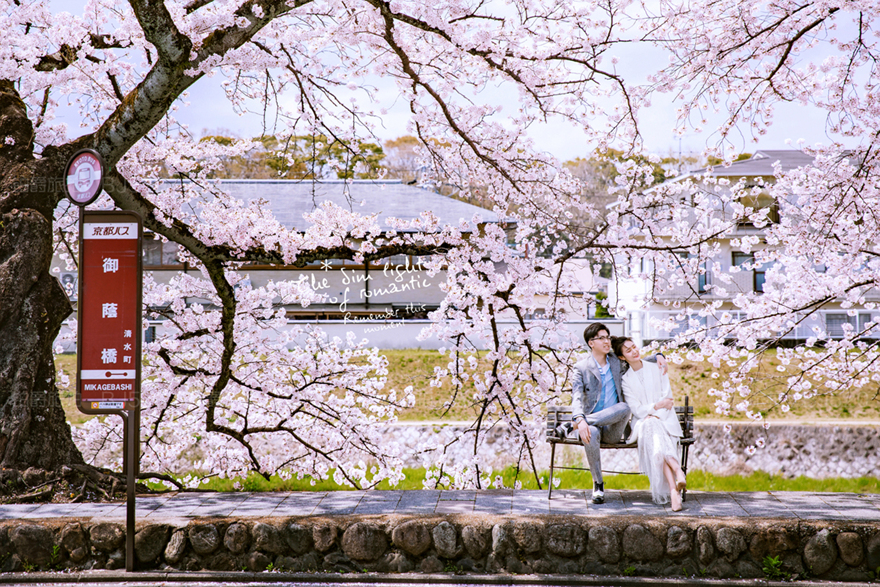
[[702, 277], [159, 254], [395, 260], [747, 260], [759, 280], [834, 323], [761, 202], [740, 259]]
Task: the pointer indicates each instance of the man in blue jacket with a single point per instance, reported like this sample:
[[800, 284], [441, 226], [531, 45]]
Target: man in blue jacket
[[598, 411]]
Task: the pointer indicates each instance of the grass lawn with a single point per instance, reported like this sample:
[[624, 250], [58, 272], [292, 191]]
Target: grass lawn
[[67, 363], [697, 481], [415, 367]]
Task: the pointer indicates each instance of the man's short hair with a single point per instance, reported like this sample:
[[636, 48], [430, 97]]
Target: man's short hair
[[593, 330]]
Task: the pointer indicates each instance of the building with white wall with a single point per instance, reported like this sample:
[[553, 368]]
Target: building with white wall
[[645, 299]]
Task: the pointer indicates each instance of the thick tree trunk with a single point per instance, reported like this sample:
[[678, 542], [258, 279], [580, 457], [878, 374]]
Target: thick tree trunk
[[33, 428]]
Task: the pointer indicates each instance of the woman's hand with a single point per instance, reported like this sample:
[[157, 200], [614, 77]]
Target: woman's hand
[[662, 364], [664, 404]]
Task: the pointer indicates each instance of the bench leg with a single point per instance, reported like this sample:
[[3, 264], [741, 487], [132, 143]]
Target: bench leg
[[552, 459], [684, 468]]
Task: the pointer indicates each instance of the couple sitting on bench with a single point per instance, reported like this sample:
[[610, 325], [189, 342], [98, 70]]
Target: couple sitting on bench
[[600, 414]]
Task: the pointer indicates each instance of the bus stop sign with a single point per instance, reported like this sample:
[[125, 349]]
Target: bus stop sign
[[109, 329]]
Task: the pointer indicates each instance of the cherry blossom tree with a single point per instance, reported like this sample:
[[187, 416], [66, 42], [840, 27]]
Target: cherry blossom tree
[[743, 60], [224, 384]]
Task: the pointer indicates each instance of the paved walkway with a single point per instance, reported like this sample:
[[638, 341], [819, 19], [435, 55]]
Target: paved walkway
[[181, 507]]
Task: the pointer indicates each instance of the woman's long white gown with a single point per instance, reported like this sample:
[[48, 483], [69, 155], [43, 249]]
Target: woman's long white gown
[[656, 431]]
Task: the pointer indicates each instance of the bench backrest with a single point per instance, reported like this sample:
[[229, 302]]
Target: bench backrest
[[557, 415]]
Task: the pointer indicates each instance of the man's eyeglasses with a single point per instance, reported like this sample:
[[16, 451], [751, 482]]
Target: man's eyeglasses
[[602, 338]]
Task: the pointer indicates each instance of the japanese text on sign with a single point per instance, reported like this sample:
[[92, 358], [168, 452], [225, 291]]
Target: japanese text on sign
[[109, 310]]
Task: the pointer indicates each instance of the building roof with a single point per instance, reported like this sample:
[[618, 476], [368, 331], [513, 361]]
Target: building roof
[[760, 164], [290, 199]]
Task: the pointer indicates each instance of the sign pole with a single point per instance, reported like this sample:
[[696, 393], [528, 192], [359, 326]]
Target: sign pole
[[109, 316], [130, 442]]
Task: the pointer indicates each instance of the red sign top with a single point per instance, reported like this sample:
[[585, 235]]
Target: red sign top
[[84, 177], [109, 305]]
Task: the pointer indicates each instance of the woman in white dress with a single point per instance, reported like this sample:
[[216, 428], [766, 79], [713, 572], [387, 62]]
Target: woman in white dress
[[655, 425]]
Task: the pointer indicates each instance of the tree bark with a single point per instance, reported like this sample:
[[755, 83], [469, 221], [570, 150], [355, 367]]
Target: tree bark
[[33, 428]]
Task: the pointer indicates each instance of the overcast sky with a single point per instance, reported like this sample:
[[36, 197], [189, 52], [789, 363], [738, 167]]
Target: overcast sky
[[209, 113]]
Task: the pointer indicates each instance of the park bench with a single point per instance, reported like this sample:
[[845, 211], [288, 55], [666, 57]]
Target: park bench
[[559, 431]]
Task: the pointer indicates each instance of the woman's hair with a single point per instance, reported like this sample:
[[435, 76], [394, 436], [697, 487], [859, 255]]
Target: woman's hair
[[617, 343]]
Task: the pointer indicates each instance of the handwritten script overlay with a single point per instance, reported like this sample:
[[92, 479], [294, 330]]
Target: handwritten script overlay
[[359, 288]]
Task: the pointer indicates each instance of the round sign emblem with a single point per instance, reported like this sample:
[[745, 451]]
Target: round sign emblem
[[84, 177]]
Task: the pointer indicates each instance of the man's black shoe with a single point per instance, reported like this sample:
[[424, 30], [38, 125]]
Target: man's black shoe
[[598, 493], [563, 430]]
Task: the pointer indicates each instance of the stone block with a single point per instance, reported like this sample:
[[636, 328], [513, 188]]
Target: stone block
[[748, 570], [605, 543], [412, 536], [793, 562], [873, 552], [771, 542], [721, 569], [106, 536], [705, 545], [80, 554], [267, 538], [565, 540], [397, 562], [364, 542], [852, 551], [287, 564], [33, 543], [175, 547], [150, 542], [12, 564], [115, 560], [820, 552], [528, 536], [310, 562], [678, 542], [502, 541], [597, 568], [73, 537], [237, 538], [299, 538], [258, 561], [514, 565], [431, 564], [324, 536], [339, 563], [475, 541], [640, 544], [222, 561], [446, 540], [204, 538], [730, 542]]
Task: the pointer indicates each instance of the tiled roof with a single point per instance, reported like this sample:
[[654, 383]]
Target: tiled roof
[[760, 164], [290, 199]]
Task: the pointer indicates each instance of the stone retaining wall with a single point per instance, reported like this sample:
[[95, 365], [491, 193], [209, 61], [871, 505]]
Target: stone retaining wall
[[791, 450], [568, 545]]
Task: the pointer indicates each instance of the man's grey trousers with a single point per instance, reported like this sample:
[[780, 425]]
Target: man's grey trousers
[[605, 426]]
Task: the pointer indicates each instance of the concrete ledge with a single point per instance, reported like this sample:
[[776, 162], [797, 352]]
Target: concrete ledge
[[306, 579], [457, 545]]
